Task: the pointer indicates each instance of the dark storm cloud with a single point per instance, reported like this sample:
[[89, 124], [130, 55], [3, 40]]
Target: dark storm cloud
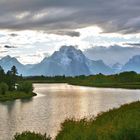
[[68, 33], [13, 34], [50, 15], [73, 34], [132, 44], [9, 47]]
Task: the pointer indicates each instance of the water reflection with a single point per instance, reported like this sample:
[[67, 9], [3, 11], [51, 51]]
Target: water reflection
[[55, 103]]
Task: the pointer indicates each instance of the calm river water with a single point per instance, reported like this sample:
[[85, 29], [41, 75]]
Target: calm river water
[[55, 103]]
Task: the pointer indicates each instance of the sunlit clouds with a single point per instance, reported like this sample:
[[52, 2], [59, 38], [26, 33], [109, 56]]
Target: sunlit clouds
[[29, 46]]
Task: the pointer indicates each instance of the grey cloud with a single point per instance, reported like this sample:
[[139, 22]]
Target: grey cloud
[[13, 34], [8, 46], [68, 33], [3, 51], [33, 55], [132, 44], [73, 34], [46, 54], [39, 55], [120, 16]]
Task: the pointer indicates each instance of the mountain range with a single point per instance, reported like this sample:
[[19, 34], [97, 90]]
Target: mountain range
[[69, 61], [133, 64]]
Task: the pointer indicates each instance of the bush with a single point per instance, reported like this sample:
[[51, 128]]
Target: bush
[[25, 87], [31, 136], [3, 88]]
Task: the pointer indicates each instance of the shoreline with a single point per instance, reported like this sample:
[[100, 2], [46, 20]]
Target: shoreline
[[11, 96], [101, 86], [105, 85]]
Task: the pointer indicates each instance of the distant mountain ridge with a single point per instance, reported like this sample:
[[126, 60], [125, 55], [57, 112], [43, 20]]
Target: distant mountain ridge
[[67, 61], [133, 64], [120, 54], [7, 62]]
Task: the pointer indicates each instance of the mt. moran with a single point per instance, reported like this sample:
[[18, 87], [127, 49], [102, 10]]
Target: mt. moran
[[67, 61]]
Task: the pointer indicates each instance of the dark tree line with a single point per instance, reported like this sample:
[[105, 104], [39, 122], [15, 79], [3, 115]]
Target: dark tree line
[[10, 81], [128, 79], [10, 77], [123, 77]]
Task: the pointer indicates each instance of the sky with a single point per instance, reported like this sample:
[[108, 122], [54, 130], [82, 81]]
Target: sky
[[33, 29]]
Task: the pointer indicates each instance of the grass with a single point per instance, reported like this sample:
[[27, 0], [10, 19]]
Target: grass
[[12, 95], [31, 136], [91, 83], [127, 80], [108, 85], [116, 124]]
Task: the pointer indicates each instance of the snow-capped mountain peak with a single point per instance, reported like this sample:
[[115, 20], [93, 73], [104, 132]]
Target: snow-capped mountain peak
[[68, 61], [70, 52]]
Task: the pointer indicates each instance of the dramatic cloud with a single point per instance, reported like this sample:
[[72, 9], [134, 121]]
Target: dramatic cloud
[[132, 44], [45, 25], [121, 16], [68, 33], [113, 54], [13, 35], [8, 46]]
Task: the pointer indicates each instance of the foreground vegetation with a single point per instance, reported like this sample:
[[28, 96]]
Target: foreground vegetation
[[129, 80], [117, 124], [31, 136], [13, 86]]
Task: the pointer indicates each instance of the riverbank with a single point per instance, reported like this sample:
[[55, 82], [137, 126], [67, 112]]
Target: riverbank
[[117, 124], [134, 85], [12, 95], [108, 85], [127, 80]]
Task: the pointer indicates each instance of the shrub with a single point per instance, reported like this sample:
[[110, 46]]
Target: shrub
[[31, 136], [3, 88], [25, 87]]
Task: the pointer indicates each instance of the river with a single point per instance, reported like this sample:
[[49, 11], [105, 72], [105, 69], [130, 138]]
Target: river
[[56, 102]]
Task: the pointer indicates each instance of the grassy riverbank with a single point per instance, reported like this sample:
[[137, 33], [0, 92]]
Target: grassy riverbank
[[12, 95], [107, 85], [128, 80], [117, 124]]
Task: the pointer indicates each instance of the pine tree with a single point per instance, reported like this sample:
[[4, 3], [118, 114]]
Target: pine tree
[[14, 71]]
